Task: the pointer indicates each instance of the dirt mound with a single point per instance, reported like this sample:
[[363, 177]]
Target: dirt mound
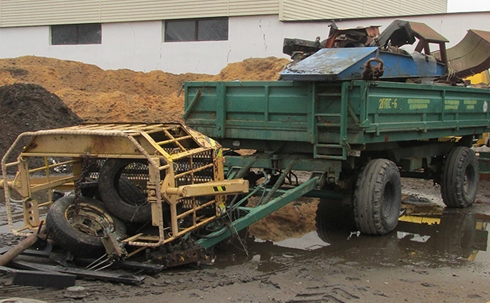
[[292, 221], [54, 74], [30, 107], [123, 95], [253, 69]]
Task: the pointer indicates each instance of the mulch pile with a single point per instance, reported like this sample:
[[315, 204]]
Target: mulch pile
[[30, 107], [42, 93]]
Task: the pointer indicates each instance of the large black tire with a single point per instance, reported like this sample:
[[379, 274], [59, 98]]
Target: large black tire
[[460, 178], [377, 197], [334, 220], [120, 195], [79, 230]]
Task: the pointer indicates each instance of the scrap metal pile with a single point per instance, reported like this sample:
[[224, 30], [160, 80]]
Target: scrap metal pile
[[365, 53], [115, 190]]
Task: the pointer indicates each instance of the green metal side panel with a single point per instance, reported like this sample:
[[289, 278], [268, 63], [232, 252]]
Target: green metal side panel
[[253, 110], [402, 111], [332, 116]]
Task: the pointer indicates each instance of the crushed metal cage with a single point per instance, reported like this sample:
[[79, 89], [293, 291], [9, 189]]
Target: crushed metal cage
[[178, 170]]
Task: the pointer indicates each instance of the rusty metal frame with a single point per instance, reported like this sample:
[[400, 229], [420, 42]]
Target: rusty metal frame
[[162, 145], [362, 35]]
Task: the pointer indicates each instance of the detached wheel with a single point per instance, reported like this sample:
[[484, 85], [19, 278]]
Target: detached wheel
[[78, 229], [122, 184], [377, 197], [460, 178]]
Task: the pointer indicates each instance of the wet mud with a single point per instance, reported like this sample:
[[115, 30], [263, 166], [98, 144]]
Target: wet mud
[[435, 254]]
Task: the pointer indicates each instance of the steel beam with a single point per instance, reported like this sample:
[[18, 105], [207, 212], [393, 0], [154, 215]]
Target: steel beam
[[259, 212]]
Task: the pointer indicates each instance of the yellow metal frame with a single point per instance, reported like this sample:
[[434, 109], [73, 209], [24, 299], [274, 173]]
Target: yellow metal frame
[[164, 146]]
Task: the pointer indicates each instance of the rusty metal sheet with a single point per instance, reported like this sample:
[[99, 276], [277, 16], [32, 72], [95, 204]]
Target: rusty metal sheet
[[427, 33], [400, 33], [471, 55]]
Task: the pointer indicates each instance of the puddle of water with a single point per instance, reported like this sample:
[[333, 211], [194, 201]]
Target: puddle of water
[[427, 235]]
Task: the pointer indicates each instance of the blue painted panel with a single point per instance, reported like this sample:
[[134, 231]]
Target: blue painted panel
[[332, 64]]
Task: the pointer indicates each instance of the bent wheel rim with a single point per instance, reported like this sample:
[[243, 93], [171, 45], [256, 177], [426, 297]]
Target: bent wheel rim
[[89, 219]]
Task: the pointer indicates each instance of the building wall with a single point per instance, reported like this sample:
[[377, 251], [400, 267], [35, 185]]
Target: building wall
[[14, 13], [138, 45], [294, 10]]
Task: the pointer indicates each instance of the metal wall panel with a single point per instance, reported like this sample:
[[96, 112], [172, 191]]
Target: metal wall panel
[[119, 11], [250, 8], [294, 10], [31, 13], [428, 6], [316, 10], [50, 12]]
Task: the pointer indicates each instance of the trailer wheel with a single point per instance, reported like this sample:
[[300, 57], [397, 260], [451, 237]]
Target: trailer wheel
[[377, 197], [332, 219], [120, 194], [78, 229], [460, 178]]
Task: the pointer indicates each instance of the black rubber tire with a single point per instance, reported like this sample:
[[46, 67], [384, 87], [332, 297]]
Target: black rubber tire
[[334, 221], [377, 197], [121, 196], [61, 217], [460, 178]]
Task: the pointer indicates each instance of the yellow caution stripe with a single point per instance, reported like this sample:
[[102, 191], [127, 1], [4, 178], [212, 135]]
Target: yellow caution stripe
[[219, 188]]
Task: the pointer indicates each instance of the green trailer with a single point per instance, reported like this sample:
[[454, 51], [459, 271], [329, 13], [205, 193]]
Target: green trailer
[[343, 125], [356, 138]]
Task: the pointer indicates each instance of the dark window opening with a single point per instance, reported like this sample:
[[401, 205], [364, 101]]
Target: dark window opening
[[215, 29], [76, 34]]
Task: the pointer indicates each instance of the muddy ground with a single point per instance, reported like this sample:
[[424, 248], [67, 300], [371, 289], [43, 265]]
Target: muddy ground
[[446, 259], [435, 255]]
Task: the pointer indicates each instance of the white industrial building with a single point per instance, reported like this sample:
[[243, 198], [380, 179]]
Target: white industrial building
[[198, 36]]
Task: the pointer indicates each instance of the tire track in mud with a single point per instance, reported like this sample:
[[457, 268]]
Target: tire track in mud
[[327, 293]]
